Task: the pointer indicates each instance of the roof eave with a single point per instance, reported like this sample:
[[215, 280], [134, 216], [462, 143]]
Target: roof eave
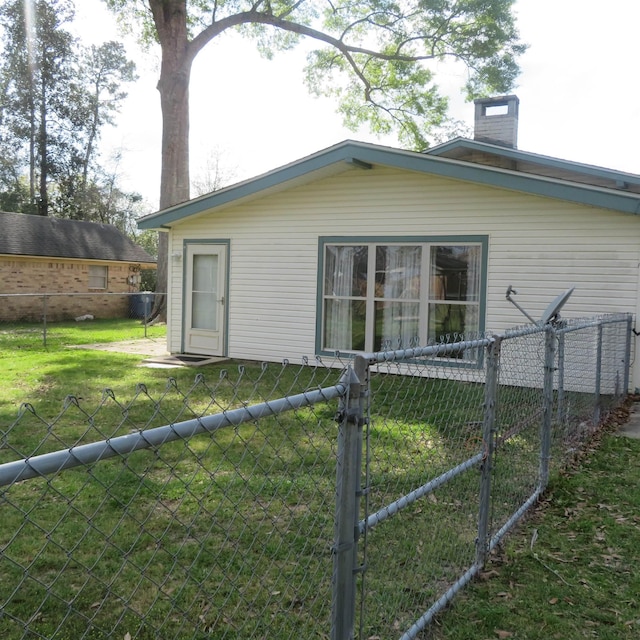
[[318, 165], [27, 256], [357, 154], [536, 158]]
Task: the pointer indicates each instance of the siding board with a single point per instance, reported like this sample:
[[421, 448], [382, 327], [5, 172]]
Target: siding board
[[539, 245]]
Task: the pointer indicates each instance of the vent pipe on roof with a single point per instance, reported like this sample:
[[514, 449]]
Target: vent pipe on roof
[[496, 121]]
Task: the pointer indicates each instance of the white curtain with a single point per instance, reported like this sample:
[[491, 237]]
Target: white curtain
[[474, 265], [401, 293], [338, 289]]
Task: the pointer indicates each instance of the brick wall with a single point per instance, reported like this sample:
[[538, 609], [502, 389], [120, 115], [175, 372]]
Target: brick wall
[[50, 276]]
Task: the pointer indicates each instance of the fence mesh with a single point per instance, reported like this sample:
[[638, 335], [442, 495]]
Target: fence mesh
[[225, 535], [425, 419], [216, 510], [428, 418]]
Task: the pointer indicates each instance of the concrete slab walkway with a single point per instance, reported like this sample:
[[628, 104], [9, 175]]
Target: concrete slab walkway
[[631, 429], [155, 353]]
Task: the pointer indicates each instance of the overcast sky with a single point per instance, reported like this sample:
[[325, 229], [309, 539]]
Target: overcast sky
[[579, 96]]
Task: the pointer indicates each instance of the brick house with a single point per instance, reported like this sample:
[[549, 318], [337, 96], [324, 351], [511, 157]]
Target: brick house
[[41, 255]]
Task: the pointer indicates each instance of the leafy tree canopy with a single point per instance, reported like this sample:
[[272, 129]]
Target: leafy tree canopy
[[376, 56], [57, 97]]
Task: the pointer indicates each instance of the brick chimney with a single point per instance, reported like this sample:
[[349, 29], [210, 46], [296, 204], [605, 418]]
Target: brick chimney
[[496, 121]]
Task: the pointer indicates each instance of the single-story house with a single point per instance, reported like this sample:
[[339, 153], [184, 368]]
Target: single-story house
[[43, 255], [361, 247]]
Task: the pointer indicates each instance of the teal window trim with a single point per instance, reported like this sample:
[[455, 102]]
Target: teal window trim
[[323, 241], [227, 244]]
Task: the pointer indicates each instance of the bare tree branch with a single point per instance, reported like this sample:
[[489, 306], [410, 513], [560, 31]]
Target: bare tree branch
[[257, 17]]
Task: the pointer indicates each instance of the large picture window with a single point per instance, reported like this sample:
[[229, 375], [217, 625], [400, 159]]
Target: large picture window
[[390, 295]]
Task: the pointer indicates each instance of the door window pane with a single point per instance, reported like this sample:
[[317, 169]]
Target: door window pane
[[204, 299]]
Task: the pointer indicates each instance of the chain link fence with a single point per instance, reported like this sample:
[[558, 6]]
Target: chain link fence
[[342, 499], [35, 317], [205, 512]]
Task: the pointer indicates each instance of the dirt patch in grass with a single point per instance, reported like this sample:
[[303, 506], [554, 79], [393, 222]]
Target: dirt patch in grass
[[142, 347]]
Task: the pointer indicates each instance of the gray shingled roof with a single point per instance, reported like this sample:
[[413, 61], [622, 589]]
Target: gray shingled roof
[[29, 235]]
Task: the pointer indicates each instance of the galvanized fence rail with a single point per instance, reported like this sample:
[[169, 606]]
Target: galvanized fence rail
[[347, 499]]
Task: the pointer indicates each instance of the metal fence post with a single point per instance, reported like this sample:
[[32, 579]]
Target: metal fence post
[[488, 431], [547, 412], [44, 320], [348, 489], [596, 400], [627, 357], [561, 413]]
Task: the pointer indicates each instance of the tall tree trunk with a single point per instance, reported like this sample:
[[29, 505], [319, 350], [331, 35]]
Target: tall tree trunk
[[43, 199], [93, 132], [174, 100], [32, 146], [170, 17]]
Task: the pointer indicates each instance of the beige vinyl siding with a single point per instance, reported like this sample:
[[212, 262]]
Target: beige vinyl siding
[[539, 245]]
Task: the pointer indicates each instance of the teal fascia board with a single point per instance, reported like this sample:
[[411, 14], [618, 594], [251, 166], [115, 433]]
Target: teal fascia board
[[356, 154], [278, 177]]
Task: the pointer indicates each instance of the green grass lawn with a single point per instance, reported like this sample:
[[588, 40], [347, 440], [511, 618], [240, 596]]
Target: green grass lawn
[[571, 569], [220, 536], [44, 376], [243, 520], [229, 535]]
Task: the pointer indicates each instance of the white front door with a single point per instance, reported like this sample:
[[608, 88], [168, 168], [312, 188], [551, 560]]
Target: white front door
[[205, 299]]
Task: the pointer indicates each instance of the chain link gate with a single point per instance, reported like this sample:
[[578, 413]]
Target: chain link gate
[[459, 442]]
